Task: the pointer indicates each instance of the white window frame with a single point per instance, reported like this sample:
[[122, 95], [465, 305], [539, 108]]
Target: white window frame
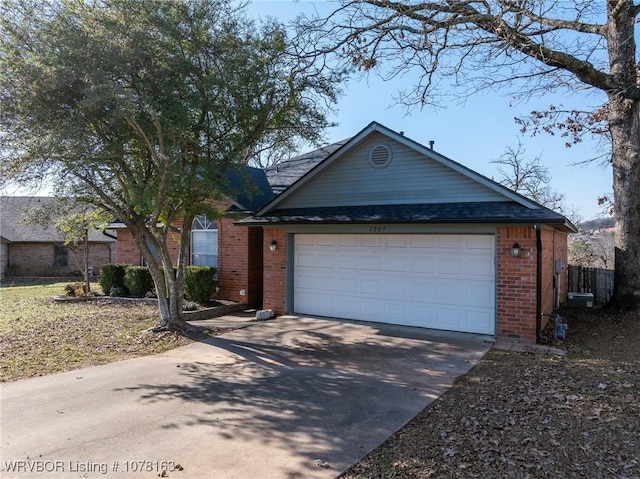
[[204, 242]]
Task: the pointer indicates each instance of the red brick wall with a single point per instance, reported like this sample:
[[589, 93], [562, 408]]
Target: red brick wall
[[239, 258], [239, 263], [516, 284], [38, 259], [275, 270], [126, 250]]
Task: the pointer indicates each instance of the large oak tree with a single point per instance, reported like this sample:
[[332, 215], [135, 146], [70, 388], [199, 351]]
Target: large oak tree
[[140, 107], [522, 46]]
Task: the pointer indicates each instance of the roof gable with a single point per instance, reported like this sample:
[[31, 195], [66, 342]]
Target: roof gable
[[285, 173], [415, 175]]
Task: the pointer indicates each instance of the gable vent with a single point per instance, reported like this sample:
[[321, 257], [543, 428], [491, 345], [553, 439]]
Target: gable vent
[[380, 156]]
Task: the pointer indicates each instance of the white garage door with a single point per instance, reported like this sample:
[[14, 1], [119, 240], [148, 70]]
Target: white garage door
[[432, 281]]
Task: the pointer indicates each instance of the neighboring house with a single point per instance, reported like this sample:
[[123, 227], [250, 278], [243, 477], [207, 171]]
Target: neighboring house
[[39, 250], [235, 250], [387, 230]]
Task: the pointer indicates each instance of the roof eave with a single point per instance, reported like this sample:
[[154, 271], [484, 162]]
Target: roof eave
[[265, 221]]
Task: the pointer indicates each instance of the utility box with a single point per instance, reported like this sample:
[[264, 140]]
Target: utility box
[[580, 300]]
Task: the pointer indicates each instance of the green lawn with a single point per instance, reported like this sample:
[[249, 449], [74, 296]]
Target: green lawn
[[39, 336]]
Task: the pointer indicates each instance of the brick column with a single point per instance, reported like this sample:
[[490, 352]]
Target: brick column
[[274, 270], [516, 284]]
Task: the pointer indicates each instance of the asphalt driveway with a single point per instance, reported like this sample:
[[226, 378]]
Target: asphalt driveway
[[288, 398]]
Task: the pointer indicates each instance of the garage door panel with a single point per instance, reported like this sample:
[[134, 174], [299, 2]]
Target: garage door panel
[[480, 242], [348, 262], [398, 288], [421, 264], [451, 265], [325, 283], [371, 287], [371, 241], [326, 260], [396, 263], [423, 290], [450, 292], [396, 241], [348, 240], [305, 259], [370, 262], [370, 308], [451, 242], [480, 267], [423, 241], [347, 284], [305, 281], [479, 294], [480, 319], [434, 281]]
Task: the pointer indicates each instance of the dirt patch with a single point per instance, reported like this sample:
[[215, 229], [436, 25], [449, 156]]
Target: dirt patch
[[527, 415]]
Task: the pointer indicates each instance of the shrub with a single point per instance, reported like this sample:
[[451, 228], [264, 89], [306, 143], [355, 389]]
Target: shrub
[[117, 291], [200, 283], [112, 276], [137, 280], [74, 289]]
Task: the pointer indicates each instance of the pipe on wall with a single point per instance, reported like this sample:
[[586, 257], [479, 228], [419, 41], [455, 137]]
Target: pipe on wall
[[539, 337]]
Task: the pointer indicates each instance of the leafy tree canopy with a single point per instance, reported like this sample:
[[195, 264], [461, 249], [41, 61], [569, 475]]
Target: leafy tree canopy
[[141, 107]]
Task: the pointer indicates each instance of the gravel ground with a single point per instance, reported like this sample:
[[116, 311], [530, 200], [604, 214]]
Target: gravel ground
[[531, 415]]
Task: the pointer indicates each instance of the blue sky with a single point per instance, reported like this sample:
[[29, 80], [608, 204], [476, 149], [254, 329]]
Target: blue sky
[[472, 134]]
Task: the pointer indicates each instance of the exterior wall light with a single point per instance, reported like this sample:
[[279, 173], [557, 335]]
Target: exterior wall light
[[273, 245], [515, 250]]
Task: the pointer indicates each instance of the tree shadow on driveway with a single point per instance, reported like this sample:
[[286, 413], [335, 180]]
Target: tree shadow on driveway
[[322, 391]]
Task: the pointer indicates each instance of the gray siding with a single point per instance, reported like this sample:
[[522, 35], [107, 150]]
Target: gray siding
[[409, 178]]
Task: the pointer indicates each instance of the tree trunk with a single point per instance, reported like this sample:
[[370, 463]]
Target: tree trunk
[[169, 289], [85, 263], [625, 134]]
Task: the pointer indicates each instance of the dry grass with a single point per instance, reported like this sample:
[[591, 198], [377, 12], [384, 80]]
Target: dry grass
[[39, 336]]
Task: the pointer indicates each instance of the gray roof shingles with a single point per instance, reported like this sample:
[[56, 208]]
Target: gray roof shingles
[[14, 230], [481, 212], [286, 173]]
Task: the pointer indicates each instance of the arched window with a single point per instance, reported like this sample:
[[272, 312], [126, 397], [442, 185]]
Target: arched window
[[204, 242]]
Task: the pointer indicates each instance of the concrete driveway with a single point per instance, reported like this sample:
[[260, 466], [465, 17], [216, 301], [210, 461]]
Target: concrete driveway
[[289, 398]]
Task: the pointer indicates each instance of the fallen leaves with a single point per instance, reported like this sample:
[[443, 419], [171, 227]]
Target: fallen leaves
[[529, 416]]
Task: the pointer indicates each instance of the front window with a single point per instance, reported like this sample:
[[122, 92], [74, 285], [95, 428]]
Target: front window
[[61, 256], [204, 242]]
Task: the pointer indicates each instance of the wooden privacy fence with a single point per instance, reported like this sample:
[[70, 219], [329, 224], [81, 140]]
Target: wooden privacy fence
[[591, 280]]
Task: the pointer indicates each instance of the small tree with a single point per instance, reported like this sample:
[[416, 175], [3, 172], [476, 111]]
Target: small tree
[[75, 228]]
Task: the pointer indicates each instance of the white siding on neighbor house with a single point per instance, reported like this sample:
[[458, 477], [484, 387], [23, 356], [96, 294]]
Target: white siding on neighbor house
[[410, 178], [433, 281]]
